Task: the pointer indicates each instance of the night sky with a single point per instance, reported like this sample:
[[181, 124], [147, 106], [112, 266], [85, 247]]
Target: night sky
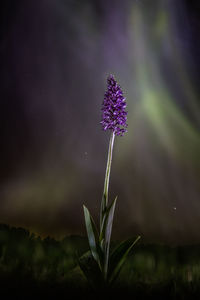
[[55, 58]]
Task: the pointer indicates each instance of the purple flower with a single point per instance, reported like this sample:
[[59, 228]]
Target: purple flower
[[114, 116]]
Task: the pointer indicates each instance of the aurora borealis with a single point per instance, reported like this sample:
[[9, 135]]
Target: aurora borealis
[[55, 58]]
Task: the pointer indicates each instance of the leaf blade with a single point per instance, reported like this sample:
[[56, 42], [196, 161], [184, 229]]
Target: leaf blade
[[105, 234], [107, 218], [90, 269], [92, 234], [118, 258], [110, 221]]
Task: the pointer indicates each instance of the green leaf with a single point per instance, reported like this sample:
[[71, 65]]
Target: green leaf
[[106, 231], [92, 234], [107, 221], [103, 208], [118, 258], [90, 269]]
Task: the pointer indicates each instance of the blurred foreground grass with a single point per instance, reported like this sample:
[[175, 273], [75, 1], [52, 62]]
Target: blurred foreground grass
[[29, 263]]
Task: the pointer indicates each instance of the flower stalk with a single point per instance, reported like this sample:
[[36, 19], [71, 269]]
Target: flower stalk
[[104, 202], [104, 206]]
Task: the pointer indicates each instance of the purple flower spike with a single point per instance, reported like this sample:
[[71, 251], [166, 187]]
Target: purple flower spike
[[114, 116]]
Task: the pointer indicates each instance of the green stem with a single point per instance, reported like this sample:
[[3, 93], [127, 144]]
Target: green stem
[[104, 202]]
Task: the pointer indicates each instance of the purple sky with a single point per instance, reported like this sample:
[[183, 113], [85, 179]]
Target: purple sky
[[55, 57]]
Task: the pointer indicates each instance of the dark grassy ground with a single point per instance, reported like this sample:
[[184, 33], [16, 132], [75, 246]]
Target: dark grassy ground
[[31, 267]]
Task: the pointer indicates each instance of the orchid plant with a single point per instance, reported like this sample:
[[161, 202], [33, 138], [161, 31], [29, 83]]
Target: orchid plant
[[99, 265]]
